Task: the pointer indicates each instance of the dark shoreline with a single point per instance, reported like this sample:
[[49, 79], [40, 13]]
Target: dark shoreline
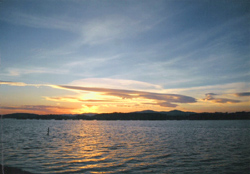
[[12, 170], [137, 116]]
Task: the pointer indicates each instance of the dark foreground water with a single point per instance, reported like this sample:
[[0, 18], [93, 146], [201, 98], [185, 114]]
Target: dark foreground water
[[126, 146]]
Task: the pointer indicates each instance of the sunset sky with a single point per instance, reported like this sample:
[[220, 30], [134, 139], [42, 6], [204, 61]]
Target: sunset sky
[[72, 56]]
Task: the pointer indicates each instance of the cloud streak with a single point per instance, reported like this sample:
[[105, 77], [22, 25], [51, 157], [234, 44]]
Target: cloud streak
[[23, 84], [12, 83], [160, 99], [36, 21], [164, 100], [91, 31], [99, 96], [115, 83], [40, 108], [242, 94], [210, 97], [77, 99], [38, 70]]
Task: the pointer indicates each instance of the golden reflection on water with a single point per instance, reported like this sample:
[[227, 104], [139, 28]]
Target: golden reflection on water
[[94, 146], [126, 146]]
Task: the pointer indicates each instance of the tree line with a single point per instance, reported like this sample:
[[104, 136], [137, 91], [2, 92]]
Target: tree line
[[136, 116]]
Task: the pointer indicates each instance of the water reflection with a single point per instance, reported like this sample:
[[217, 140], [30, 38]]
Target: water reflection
[[126, 146]]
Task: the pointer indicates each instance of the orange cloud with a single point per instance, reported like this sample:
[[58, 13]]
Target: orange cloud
[[107, 95], [77, 99], [41, 109]]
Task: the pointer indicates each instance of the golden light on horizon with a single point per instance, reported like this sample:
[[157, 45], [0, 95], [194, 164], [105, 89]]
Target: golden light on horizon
[[48, 99], [86, 109]]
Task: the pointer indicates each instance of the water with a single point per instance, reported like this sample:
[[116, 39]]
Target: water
[[126, 146]]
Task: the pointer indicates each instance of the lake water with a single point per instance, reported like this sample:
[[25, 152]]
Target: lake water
[[126, 146]]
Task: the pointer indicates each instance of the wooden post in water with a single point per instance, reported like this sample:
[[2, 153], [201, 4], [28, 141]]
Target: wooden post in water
[[48, 131]]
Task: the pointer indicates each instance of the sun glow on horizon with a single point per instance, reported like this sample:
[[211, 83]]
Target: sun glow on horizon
[[104, 100]]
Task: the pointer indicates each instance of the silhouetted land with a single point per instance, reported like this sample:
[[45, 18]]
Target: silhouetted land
[[12, 170], [172, 115]]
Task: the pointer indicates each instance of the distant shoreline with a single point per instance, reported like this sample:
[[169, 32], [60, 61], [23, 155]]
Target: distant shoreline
[[138, 116]]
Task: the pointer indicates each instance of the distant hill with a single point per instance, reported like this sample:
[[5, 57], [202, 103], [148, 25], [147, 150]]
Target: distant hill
[[145, 111], [172, 113], [140, 115], [89, 114], [178, 113]]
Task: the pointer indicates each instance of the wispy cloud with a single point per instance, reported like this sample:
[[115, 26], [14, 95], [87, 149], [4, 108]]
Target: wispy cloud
[[115, 83], [210, 97], [40, 108], [38, 70], [112, 97], [39, 21], [91, 31], [242, 94], [228, 88], [23, 84], [103, 30], [77, 99], [12, 83], [166, 100]]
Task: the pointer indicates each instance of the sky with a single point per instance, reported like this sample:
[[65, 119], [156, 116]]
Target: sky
[[88, 56]]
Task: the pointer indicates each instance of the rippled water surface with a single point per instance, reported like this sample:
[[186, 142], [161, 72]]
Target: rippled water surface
[[126, 146]]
